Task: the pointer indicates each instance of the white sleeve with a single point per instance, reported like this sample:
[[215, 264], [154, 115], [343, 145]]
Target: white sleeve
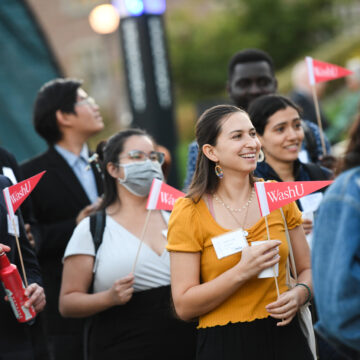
[[81, 242]]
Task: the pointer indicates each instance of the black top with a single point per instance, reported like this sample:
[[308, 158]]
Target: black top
[[14, 335]]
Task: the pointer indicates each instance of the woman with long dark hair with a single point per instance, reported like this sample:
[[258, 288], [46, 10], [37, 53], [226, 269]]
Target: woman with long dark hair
[[132, 313], [240, 316], [278, 125]]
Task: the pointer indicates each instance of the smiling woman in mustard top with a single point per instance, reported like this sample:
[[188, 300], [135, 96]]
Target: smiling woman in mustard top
[[239, 314]]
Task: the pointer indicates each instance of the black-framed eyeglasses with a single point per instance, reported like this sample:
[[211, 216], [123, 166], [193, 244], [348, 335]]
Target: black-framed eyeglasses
[[87, 101], [142, 156]]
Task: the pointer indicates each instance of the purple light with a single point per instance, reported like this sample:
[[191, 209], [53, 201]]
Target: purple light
[[156, 7]]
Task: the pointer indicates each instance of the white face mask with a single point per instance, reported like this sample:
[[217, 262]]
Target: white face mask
[[138, 176]]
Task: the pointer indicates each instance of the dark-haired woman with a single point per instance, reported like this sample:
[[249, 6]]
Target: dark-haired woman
[[239, 314], [279, 128], [132, 313]]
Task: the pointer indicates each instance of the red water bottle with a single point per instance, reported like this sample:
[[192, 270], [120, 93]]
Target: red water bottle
[[15, 290]]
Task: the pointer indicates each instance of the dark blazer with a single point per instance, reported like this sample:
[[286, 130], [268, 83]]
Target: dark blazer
[[14, 335], [57, 200]]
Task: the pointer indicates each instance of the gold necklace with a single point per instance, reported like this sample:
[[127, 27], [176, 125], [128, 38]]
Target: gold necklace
[[246, 206], [220, 201]]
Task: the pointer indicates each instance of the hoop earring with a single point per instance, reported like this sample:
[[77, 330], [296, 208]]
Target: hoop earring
[[219, 171], [261, 156]]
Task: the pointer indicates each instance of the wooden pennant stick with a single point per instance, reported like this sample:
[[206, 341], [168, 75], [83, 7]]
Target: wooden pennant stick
[[141, 239], [19, 251], [275, 278], [318, 118]]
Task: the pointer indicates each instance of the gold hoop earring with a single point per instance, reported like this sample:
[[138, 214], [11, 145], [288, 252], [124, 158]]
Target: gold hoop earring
[[219, 171], [261, 156]]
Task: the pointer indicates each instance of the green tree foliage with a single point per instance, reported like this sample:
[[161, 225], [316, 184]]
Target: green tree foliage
[[201, 44]]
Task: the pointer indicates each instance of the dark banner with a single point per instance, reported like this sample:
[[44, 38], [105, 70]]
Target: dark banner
[[149, 80], [26, 64]]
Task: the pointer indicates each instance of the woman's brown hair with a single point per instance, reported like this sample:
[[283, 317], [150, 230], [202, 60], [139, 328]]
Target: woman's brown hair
[[352, 154], [207, 130]]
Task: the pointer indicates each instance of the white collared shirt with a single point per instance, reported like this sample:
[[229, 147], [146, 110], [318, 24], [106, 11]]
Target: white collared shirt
[[79, 165]]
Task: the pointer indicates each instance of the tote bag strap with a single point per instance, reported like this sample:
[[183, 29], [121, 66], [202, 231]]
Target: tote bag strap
[[291, 254]]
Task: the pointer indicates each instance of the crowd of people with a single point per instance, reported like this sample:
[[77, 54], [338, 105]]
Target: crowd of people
[[110, 279]]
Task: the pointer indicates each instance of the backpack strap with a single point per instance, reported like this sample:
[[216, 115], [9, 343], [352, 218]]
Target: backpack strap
[[97, 227]]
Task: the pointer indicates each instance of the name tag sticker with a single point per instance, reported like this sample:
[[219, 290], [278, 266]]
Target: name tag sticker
[[270, 271], [11, 226], [230, 243]]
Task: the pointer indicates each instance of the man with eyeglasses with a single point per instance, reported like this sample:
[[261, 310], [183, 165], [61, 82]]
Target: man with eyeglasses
[[66, 117]]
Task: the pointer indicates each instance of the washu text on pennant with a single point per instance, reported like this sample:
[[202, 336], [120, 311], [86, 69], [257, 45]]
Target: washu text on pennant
[[162, 196], [320, 71], [274, 195], [16, 194]]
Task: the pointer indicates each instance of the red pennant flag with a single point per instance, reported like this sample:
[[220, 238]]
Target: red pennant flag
[[162, 196], [274, 195], [16, 194], [320, 71]]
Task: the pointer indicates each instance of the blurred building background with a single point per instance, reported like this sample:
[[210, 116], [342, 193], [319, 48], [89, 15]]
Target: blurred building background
[[82, 53]]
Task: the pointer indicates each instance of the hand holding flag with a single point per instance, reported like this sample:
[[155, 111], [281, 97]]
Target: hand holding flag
[[161, 197], [274, 195], [14, 196]]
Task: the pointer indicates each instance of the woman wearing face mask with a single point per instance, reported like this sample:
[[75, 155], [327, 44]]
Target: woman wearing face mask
[[240, 316], [132, 316], [278, 126]]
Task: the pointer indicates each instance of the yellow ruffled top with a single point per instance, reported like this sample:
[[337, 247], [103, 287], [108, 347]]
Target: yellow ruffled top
[[191, 228]]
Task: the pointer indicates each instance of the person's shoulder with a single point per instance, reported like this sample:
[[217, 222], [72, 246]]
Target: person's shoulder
[[297, 96], [186, 209], [36, 162], [81, 231], [314, 127], [81, 241], [316, 172], [265, 171], [346, 185], [348, 180], [261, 170], [4, 182], [7, 155], [328, 173], [184, 203]]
